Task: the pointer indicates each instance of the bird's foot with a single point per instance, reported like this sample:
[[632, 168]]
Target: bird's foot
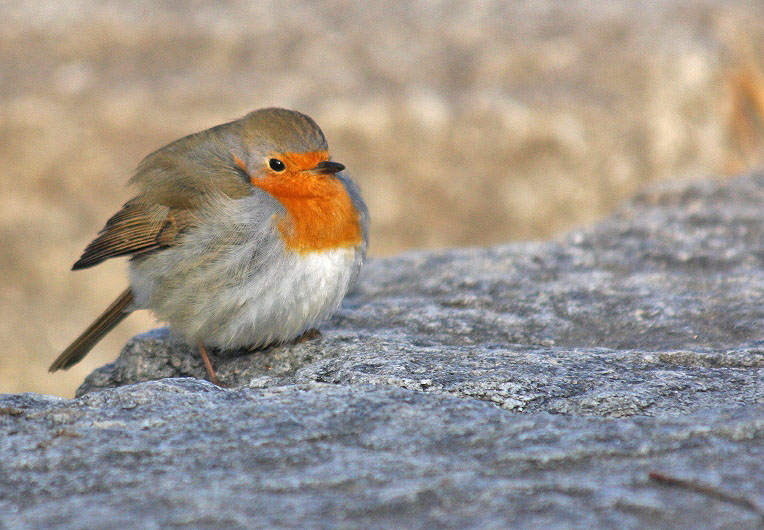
[[311, 334], [208, 365]]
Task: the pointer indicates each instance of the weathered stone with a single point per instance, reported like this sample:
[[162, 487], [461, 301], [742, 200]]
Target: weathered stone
[[184, 452], [534, 384]]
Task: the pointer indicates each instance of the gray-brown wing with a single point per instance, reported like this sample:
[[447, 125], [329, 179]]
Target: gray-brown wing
[[137, 228]]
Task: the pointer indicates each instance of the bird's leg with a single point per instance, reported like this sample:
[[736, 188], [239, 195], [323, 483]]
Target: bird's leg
[[311, 334], [208, 365]]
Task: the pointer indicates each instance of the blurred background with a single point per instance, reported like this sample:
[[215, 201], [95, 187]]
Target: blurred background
[[465, 122]]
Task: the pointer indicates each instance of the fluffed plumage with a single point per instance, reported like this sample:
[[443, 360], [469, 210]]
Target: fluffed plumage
[[242, 235]]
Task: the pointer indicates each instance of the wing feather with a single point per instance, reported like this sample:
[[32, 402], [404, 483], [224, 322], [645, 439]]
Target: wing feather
[[136, 229]]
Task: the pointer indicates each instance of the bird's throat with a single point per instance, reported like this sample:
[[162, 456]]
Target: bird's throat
[[320, 213]]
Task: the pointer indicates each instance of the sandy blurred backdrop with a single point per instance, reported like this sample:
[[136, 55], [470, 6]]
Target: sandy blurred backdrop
[[465, 122]]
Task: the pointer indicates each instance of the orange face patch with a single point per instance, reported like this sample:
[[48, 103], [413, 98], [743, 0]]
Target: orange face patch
[[320, 214]]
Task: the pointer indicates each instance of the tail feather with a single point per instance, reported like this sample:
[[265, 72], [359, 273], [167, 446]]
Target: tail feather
[[78, 349]]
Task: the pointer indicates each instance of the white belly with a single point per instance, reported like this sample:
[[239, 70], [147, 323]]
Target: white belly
[[282, 303], [237, 302]]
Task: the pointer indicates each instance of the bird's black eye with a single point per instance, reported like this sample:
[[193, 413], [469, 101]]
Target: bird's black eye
[[276, 165]]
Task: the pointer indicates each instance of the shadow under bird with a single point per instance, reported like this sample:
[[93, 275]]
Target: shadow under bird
[[240, 236]]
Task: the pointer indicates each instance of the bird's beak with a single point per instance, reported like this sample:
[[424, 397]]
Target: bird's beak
[[327, 167]]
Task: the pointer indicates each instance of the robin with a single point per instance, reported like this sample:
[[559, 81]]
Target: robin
[[241, 236]]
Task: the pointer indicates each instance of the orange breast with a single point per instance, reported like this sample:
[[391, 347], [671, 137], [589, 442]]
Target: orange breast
[[320, 214], [315, 225]]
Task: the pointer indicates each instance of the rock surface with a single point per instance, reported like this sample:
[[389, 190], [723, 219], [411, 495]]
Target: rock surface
[[533, 384]]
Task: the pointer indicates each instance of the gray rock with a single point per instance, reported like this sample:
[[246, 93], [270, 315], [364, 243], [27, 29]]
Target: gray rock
[[534, 384], [184, 452]]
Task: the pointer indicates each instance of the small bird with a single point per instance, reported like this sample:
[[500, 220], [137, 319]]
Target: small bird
[[240, 236]]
